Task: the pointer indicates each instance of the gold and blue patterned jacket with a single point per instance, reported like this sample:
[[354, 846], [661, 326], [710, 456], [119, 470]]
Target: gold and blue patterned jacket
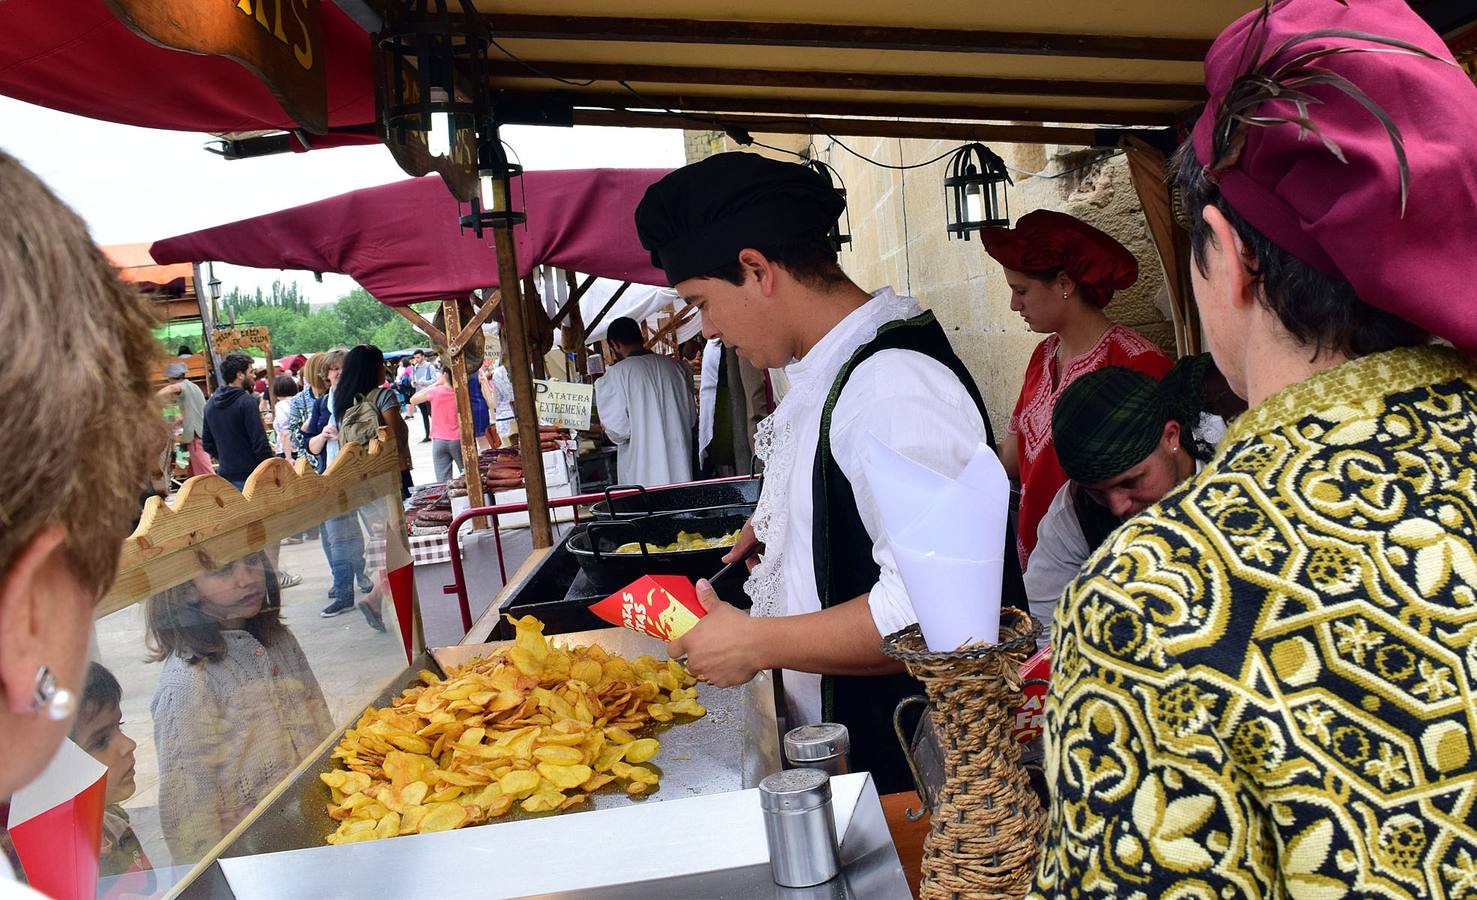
[[1266, 685]]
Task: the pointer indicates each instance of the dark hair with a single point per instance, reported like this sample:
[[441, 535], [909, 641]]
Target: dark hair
[[184, 350], [363, 371], [624, 331], [1317, 310], [100, 692], [284, 386], [811, 262], [176, 626], [233, 365]]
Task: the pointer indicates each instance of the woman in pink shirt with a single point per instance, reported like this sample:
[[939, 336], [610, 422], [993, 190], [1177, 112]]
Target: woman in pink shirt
[[446, 445]]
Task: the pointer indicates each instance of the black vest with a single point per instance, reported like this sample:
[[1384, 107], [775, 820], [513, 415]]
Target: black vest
[[844, 568]]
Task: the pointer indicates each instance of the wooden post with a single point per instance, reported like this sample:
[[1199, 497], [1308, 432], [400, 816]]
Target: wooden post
[[574, 335], [458, 363], [519, 368]]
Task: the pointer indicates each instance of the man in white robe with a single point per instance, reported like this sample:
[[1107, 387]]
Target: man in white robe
[[646, 407]]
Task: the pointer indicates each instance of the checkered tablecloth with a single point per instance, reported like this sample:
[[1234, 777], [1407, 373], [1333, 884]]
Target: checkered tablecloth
[[425, 550]]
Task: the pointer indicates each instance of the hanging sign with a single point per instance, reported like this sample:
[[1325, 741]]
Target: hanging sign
[[256, 337], [563, 403], [280, 41]]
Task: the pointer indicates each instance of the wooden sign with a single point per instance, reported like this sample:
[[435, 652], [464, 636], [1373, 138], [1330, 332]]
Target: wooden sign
[[410, 149], [280, 41], [256, 337], [564, 404]]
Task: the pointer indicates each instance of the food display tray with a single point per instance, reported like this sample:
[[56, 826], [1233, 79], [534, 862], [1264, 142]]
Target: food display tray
[[732, 748]]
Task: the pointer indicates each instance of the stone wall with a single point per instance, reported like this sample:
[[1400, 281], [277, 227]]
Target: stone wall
[[898, 233]]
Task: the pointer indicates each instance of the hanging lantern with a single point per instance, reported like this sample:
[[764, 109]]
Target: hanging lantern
[[974, 191], [837, 235], [428, 53], [493, 205]]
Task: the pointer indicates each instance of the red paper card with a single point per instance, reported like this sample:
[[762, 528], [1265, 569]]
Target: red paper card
[[662, 606], [1029, 719]]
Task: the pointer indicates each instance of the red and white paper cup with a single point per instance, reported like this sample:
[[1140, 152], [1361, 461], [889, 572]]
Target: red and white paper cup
[[56, 824], [662, 606]]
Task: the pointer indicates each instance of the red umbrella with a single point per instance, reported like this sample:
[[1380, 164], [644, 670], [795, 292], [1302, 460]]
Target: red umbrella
[[401, 242], [77, 57]]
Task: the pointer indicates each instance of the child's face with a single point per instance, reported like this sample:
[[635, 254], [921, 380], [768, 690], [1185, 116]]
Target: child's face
[[100, 734], [234, 593]]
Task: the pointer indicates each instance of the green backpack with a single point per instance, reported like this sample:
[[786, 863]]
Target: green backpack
[[361, 421]]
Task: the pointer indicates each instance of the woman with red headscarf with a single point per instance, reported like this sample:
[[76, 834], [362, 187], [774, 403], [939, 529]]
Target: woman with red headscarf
[[1061, 272]]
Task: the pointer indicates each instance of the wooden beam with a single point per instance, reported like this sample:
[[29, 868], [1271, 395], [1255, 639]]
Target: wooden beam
[[465, 429], [972, 112], [600, 316], [887, 82], [685, 315], [575, 293], [850, 37], [531, 300], [470, 329], [420, 322], [955, 131]]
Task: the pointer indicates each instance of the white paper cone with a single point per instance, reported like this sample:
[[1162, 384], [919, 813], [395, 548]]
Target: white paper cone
[[71, 771], [957, 601]]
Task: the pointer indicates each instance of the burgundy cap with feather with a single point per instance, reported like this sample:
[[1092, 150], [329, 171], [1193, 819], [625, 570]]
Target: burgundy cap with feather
[[1376, 185]]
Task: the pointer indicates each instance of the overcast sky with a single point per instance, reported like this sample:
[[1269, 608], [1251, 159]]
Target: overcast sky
[[140, 185]]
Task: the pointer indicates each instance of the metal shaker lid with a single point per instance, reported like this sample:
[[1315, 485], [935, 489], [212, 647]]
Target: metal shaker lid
[[815, 742], [794, 790]]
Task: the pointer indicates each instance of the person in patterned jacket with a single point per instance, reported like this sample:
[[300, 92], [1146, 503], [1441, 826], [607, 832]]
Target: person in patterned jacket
[[1266, 684]]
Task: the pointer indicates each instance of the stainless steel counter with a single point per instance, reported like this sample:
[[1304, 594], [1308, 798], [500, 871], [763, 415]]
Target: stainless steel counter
[[702, 847]]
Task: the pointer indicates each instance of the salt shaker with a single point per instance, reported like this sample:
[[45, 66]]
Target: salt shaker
[[799, 825], [824, 746]]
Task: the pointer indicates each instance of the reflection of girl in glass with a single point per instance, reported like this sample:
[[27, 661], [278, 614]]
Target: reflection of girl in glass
[[236, 708]]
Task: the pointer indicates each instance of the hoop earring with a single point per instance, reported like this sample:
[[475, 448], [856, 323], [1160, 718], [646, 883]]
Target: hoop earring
[[58, 702]]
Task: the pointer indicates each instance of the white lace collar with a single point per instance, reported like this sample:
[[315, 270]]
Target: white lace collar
[[775, 440]]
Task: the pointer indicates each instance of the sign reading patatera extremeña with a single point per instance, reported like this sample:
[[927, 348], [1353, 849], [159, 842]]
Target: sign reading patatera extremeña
[[280, 41], [564, 404]]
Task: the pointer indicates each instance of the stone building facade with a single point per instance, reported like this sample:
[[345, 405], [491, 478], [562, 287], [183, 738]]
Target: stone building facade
[[898, 238]]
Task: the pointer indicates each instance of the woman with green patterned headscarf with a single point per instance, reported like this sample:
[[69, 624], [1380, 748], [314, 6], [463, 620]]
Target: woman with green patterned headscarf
[[1124, 441]]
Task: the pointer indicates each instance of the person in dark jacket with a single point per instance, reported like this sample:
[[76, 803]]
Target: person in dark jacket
[[233, 426]]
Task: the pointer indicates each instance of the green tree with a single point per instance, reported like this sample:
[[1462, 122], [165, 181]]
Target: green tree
[[397, 334], [361, 315], [322, 330]]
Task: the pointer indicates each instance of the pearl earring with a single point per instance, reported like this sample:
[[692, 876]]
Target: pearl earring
[[58, 702]]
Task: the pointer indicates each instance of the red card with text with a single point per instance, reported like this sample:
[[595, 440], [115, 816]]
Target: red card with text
[[1029, 720], [662, 606]]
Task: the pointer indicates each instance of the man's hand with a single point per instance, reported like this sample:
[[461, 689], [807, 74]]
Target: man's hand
[[746, 543], [718, 648]]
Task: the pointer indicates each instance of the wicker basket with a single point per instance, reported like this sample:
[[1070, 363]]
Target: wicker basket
[[987, 823]]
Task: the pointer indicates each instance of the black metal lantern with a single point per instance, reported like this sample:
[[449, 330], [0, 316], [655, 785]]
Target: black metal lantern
[[428, 53], [837, 235], [493, 206], [974, 191]]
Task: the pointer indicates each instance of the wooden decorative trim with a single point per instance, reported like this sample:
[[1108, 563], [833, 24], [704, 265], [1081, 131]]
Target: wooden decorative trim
[[211, 523]]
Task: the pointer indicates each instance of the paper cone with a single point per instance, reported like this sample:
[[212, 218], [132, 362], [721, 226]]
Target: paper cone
[[1030, 716], [56, 824], [951, 597], [662, 606], [947, 536]]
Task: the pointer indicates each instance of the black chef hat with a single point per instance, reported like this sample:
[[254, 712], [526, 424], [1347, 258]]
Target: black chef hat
[[697, 219]]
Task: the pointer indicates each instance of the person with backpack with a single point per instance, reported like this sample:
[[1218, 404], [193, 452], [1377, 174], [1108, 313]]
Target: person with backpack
[[357, 406]]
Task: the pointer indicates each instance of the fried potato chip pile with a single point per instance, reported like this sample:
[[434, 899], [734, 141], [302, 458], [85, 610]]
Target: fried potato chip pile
[[686, 540], [536, 725]]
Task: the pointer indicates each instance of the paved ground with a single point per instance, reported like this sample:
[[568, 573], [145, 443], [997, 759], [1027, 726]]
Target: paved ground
[[351, 661]]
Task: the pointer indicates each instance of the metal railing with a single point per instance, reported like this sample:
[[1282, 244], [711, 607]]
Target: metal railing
[[458, 576]]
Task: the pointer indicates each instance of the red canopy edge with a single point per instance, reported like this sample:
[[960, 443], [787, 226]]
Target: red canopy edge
[[401, 241], [76, 57]]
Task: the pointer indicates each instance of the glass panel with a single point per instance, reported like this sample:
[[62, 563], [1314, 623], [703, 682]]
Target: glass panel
[[226, 682]]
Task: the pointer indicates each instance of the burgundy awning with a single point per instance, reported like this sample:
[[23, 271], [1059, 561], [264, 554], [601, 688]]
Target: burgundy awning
[[77, 57], [401, 242]]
